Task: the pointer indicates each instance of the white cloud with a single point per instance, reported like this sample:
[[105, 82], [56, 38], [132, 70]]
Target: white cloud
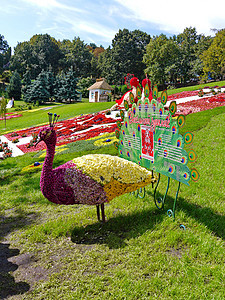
[[173, 16], [83, 27], [49, 4]]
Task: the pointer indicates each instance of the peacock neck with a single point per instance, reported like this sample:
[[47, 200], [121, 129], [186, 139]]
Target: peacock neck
[[48, 163], [47, 166]]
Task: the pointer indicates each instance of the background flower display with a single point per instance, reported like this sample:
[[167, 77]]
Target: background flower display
[[11, 115], [79, 128], [204, 103]]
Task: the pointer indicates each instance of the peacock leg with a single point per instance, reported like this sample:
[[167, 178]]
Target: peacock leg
[[170, 212], [103, 212], [98, 212]]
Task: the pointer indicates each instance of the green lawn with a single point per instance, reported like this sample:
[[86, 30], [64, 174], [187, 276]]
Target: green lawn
[[140, 253], [39, 115], [196, 87]]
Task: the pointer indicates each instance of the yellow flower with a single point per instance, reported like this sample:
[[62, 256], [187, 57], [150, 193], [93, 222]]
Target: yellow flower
[[31, 168], [58, 149], [103, 168], [105, 141]]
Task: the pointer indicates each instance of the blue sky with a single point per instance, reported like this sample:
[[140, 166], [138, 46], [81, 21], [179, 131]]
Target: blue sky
[[97, 21]]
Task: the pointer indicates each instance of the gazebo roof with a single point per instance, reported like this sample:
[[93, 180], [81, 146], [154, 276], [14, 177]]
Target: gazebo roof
[[100, 84]]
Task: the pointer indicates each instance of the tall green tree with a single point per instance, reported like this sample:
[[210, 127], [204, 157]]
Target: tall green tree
[[214, 57], [68, 87], [125, 56], [5, 54], [14, 87], [83, 84], [77, 55], [162, 59], [191, 45], [40, 53], [26, 82], [38, 90]]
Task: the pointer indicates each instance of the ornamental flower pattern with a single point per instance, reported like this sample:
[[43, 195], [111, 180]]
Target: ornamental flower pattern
[[68, 131]]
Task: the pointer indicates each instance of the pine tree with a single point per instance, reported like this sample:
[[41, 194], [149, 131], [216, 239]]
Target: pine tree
[[50, 83], [14, 88], [38, 90], [26, 82], [68, 89]]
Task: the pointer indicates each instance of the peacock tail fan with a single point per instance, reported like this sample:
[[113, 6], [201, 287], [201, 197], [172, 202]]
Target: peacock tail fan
[[149, 136]]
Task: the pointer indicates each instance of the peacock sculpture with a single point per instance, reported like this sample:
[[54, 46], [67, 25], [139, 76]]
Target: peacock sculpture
[[91, 179]]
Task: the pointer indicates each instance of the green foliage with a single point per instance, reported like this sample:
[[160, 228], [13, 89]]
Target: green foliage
[[38, 90], [77, 55], [125, 56], [124, 89], [26, 82], [83, 84], [14, 87], [67, 87], [5, 54], [177, 58], [214, 57], [41, 52], [162, 59]]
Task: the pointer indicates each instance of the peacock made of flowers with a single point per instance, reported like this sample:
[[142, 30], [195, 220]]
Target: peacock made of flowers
[[92, 179], [148, 142]]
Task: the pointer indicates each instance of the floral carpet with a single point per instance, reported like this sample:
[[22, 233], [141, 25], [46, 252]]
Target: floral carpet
[[89, 126]]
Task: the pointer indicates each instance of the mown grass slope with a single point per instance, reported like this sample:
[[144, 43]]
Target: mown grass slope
[[140, 253]]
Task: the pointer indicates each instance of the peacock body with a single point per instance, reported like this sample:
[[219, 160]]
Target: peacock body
[[91, 179]]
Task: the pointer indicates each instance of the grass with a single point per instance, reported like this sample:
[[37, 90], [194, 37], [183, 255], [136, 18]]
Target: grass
[[140, 253], [195, 87], [39, 115]]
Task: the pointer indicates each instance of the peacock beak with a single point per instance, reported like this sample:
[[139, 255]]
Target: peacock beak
[[38, 141]]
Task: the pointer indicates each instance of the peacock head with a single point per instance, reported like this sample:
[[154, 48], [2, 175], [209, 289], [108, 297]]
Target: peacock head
[[48, 134]]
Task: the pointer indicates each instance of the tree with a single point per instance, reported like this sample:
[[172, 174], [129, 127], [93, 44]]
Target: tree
[[14, 87], [162, 59], [191, 46], [38, 90], [3, 109], [77, 55], [5, 54], [26, 82], [23, 59], [125, 56], [67, 87], [83, 84], [40, 53], [214, 57], [50, 83]]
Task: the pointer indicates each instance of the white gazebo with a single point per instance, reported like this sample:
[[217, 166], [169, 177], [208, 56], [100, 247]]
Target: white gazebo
[[99, 91]]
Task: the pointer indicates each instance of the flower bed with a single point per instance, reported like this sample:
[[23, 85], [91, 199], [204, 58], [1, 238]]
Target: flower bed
[[182, 95], [11, 115], [69, 131], [201, 104]]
